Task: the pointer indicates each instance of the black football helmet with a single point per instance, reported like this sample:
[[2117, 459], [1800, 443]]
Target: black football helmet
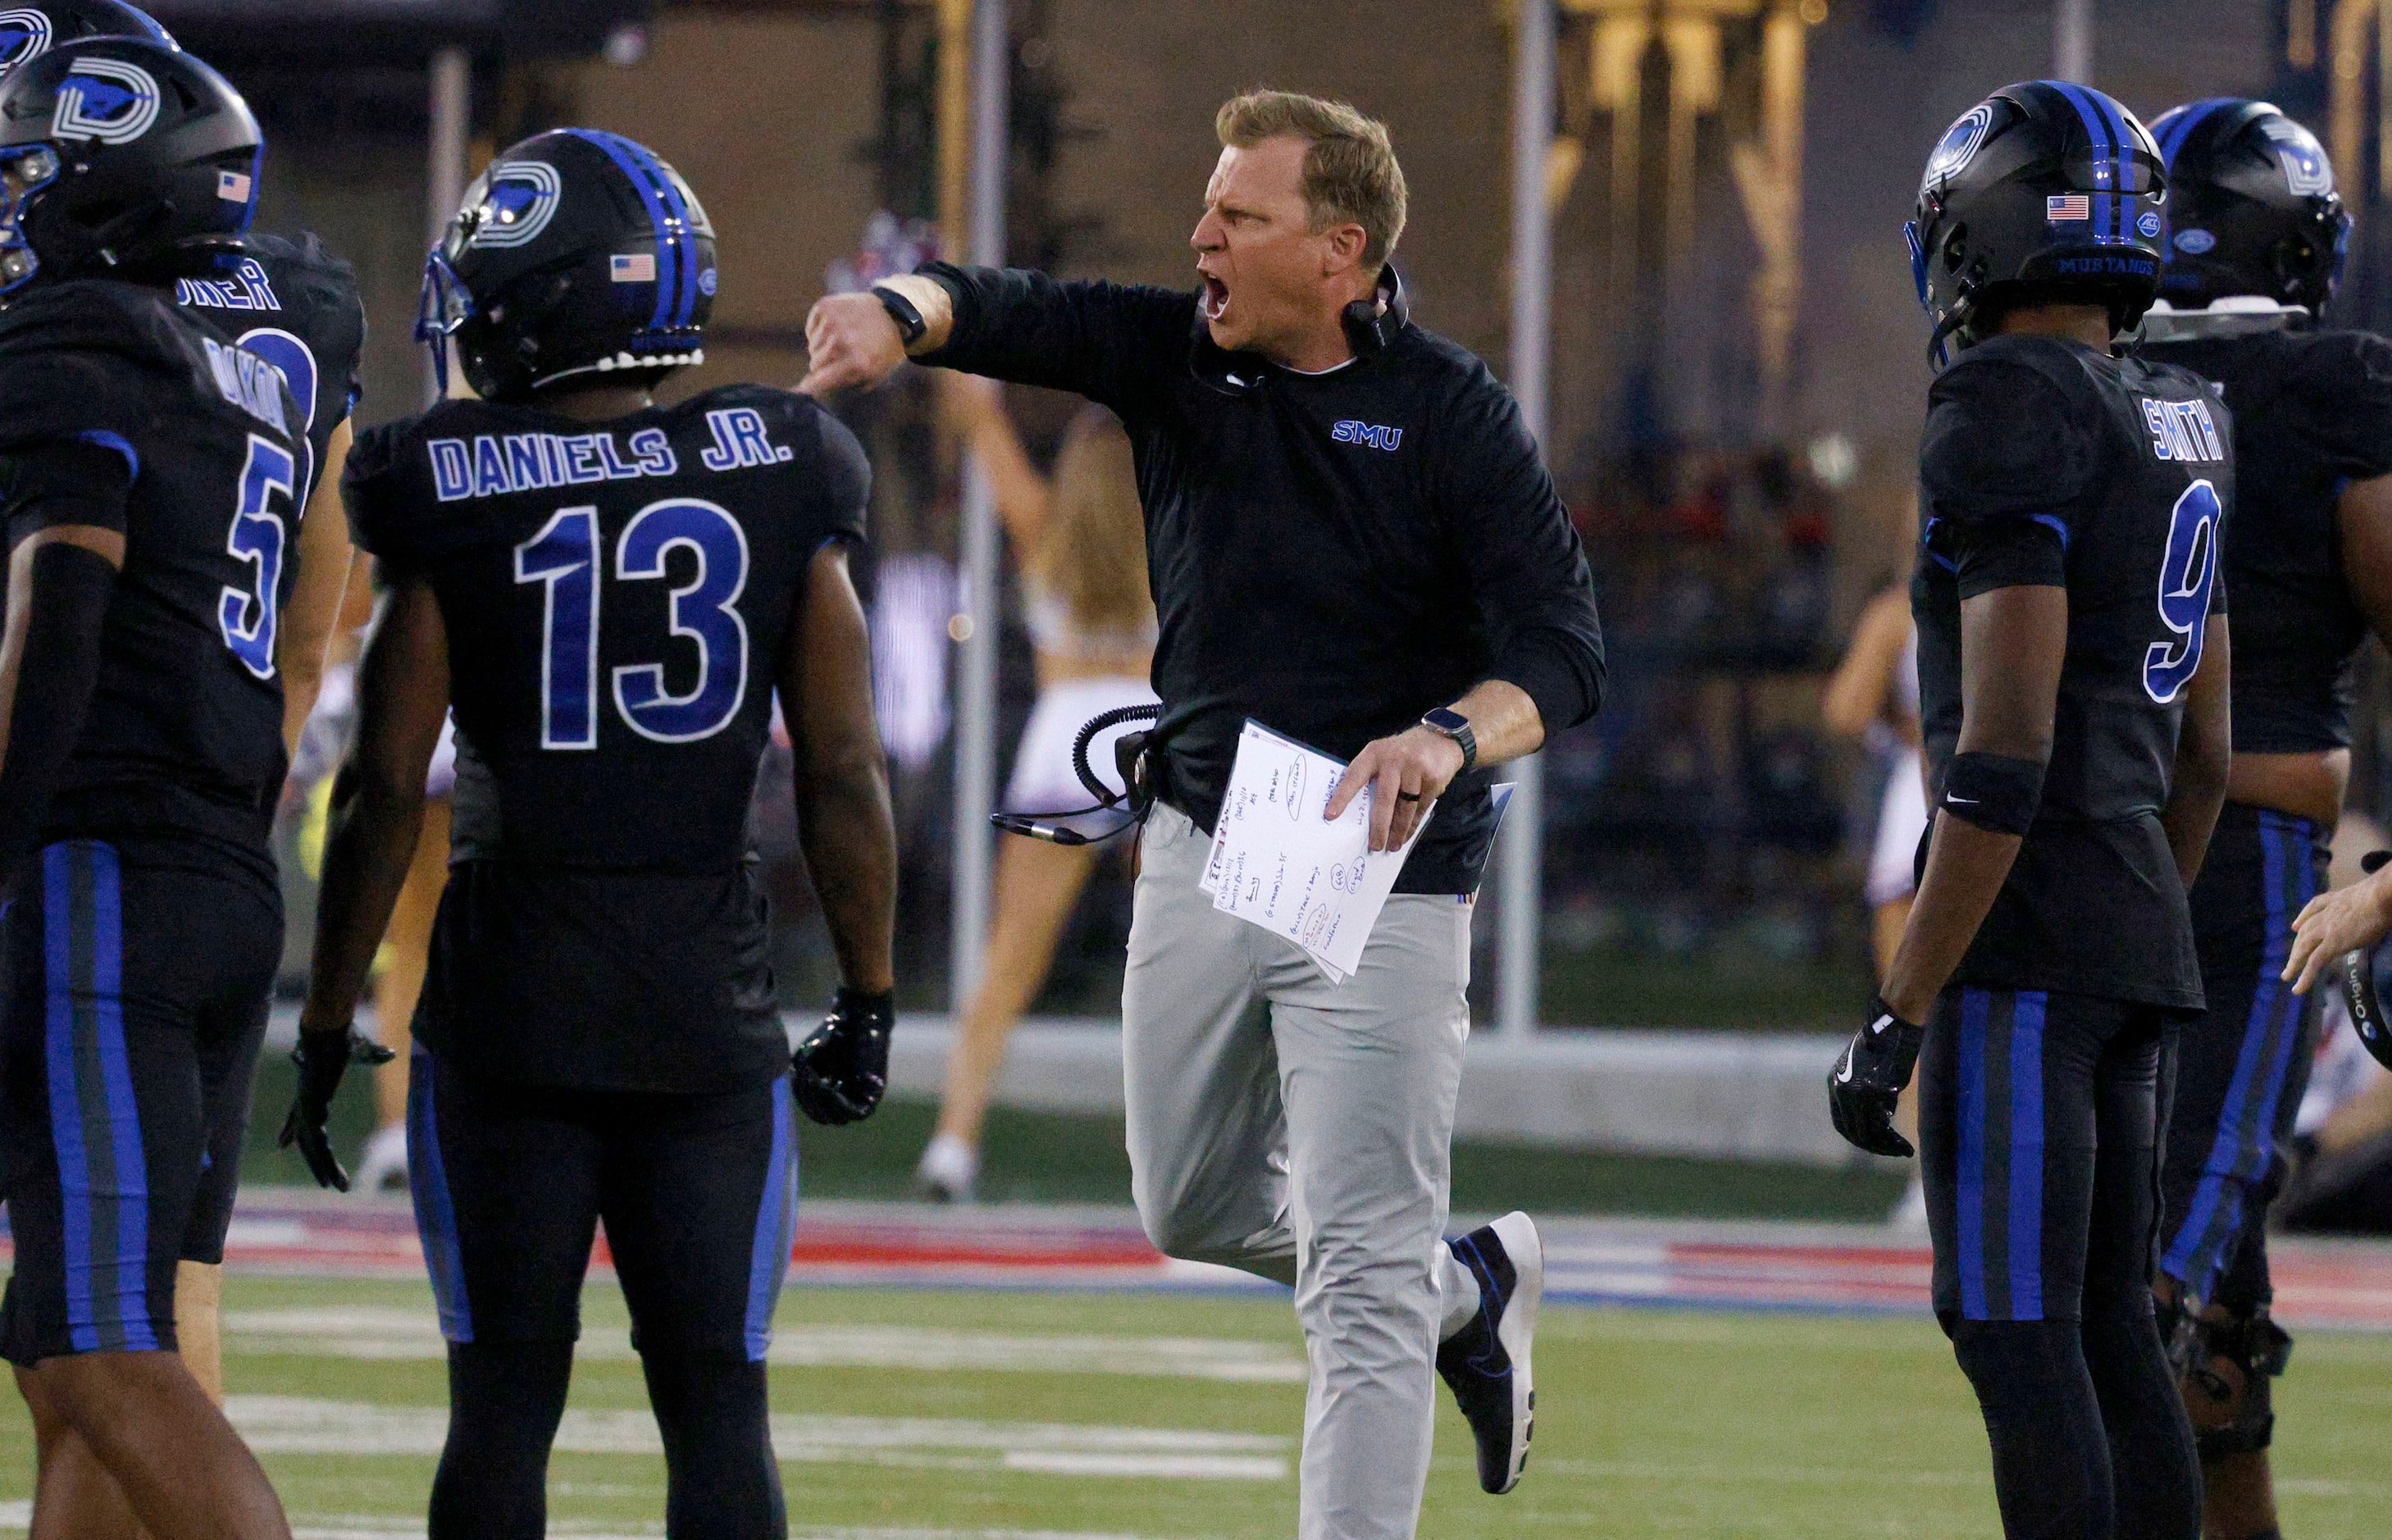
[[28, 31], [2043, 192], [2254, 211], [121, 155], [577, 252]]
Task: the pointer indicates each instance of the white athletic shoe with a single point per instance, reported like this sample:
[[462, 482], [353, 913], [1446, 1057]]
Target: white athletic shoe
[[382, 1167], [1487, 1362], [948, 1171]]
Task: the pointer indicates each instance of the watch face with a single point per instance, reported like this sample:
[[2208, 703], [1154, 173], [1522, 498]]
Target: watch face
[[1446, 721]]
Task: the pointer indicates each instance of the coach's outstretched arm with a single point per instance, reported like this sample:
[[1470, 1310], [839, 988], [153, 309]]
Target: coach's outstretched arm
[[1109, 342], [377, 816]]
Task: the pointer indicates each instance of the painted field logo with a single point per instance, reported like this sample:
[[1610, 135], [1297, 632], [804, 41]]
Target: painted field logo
[[1353, 432]]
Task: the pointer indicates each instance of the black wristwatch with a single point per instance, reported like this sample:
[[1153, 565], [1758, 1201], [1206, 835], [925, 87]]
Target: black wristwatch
[[1454, 725], [910, 324]]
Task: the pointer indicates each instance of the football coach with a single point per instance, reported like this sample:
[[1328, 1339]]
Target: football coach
[[1352, 541]]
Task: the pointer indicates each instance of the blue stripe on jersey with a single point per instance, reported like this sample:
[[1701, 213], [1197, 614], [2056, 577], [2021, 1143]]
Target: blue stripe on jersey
[[1976, 1006], [108, 439], [768, 1260], [2056, 525], [2026, 1155], [436, 1214], [617, 149]]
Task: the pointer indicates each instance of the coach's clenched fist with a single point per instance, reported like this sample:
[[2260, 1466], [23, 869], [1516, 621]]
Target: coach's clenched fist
[[860, 339]]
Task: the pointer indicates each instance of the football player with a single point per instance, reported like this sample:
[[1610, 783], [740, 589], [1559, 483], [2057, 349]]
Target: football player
[[291, 304], [2073, 668], [2257, 238], [152, 474], [608, 593]]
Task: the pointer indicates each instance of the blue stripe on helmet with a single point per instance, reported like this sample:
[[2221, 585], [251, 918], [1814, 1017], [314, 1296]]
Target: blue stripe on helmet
[[2105, 165], [668, 250], [685, 229], [2183, 120]]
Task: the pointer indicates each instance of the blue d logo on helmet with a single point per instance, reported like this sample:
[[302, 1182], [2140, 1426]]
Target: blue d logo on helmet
[[519, 198], [120, 153], [24, 34], [106, 99]]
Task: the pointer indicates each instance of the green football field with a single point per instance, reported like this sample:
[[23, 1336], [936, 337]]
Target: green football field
[[909, 1415]]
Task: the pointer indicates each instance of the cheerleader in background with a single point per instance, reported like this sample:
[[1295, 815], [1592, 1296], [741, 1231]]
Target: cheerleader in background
[[1080, 541]]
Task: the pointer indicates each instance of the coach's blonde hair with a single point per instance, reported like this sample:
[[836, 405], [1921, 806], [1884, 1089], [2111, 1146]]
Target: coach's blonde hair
[[1349, 167]]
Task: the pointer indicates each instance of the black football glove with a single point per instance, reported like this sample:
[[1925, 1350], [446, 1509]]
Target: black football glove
[[323, 1057], [1868, 1079], [839, 1071]]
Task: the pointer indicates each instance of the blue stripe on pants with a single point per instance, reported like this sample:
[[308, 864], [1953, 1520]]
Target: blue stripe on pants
[[2026, 1155], [2243, 1145], [95, 1117], [775, 1212], [435, 1215], [1975, 1006]]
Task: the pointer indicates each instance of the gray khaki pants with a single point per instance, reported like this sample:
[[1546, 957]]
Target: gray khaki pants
[[1313, 1148]]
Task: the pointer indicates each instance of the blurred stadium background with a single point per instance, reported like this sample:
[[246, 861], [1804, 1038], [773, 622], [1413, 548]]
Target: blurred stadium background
[[1701, 203], [1730, 368]]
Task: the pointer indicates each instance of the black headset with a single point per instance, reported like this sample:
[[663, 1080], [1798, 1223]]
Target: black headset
[[1126, 809]]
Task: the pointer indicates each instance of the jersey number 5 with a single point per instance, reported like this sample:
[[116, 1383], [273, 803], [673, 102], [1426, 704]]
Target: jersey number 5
[[257, 535], [565, 557], [2186, 573]]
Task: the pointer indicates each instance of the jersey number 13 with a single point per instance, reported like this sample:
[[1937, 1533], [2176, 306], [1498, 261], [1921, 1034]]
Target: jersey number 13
[[565, 557]]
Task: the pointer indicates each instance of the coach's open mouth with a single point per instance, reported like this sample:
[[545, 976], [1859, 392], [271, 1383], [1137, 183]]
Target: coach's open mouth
[[1217, 297]]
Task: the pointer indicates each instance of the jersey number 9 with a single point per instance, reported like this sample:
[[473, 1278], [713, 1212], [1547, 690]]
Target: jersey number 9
[[2186, 573], [565, 557]]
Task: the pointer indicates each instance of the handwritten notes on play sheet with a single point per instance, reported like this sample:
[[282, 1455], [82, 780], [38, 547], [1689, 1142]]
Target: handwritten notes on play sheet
[[1279, 864]]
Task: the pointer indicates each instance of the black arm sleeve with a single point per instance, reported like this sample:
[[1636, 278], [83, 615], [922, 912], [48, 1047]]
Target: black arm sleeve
[[1109, 341], [1527, 572], [68, 588]]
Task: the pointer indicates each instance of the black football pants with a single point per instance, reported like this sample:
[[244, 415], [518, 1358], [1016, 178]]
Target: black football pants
[[2039, 1133], [697, 1194]]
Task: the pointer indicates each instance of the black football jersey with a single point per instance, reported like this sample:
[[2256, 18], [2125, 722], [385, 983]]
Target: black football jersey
[[615, 596], [185, 730], [296, 305], [2313, 412], [2045, 461]]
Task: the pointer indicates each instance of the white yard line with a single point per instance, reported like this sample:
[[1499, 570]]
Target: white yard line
[[290, 1424], [380, 1333]]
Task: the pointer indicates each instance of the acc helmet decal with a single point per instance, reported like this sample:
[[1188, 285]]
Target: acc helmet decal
[[518, 199], [106, 99]]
